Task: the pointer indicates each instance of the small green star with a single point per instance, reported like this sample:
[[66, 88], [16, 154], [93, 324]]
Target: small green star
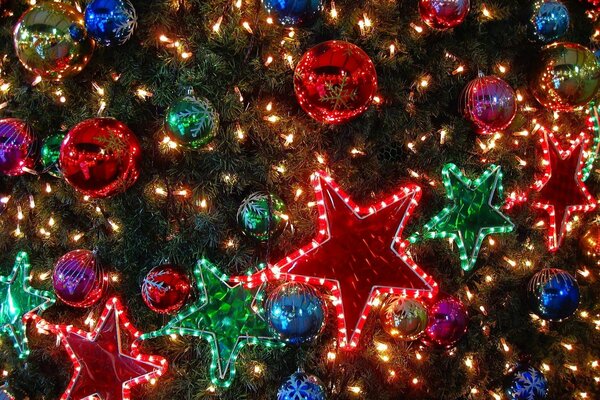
[[226, 316], [473, 214], [18, 298]]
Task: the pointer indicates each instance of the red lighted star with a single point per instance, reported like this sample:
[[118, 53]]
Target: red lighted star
[[560, 191], [102, 368], [358, 254]]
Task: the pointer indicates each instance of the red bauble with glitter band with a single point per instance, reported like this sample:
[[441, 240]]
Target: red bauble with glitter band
[[100, 157], [17, 147], [444, 14], [335, 81], [165, 289]]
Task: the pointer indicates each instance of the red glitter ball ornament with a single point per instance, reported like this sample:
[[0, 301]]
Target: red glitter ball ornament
[[17, 147], [490, 103], [335, 81], [100, 157], [444, 14], [165, 289]]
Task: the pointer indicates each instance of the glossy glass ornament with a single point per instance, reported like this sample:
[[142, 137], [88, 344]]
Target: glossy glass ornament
[[335, 82], [294, 12], [4, 392], [166, 289], [296, 312], [301, 386], [553, 294], [448, 322], [567, 76], [550, 20], [403, 318], [50, 154], [110, 22], [262, 216], [100, 157], [50, 41], [192, 122], [444, 14], [527, 383], [490, 103], [590, 245], [17, 147], [78, 279]]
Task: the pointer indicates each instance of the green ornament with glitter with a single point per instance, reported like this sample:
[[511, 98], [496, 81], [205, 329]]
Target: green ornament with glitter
[[192, 122], [262, 216], [50, 153]]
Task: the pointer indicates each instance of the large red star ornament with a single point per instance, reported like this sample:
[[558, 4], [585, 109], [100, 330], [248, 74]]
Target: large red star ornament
[[560, 191], [102, 368], [358, 254]]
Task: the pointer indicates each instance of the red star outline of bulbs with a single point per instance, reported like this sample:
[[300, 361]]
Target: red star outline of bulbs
[[356, 283]]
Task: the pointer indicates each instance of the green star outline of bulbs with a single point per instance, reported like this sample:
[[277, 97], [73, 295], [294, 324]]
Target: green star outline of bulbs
[[226, 316], [18, 298], [473, 215]]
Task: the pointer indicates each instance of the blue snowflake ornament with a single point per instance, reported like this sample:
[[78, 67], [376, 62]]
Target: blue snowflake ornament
[[110, 22], [301, 386], [527, 383]]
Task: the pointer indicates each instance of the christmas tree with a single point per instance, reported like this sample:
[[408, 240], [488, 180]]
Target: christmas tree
[[199, 198]]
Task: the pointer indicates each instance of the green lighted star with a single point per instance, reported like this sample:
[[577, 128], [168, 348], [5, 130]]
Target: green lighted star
[[18, 298], [473, 215], [226, 316]]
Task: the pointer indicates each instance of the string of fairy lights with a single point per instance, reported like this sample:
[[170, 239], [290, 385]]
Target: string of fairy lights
[[18, 209]]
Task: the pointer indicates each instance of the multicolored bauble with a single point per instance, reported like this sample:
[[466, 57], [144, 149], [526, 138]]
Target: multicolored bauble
[[166, 289], [301, 386], [553, 294], [262, 216], [78, 279], [17, 147], [110, 22]]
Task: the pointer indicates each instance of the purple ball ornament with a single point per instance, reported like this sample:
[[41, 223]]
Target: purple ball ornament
[[78, 279], [17, 147], [448, 322]]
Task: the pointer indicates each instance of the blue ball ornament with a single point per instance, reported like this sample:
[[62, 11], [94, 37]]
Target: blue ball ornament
[[527, 383], [110, 22], [296, 312], [550, 20], [294, 12], [301, 386], [553, 294]]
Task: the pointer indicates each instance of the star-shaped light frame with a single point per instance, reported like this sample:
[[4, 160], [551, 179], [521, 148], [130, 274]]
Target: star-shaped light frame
[[397, 245], [113, 312], [16, 327], [221, 374], [467, 261], [550, 143]]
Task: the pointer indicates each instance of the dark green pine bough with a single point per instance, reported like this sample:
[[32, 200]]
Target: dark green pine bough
[[394, 142]]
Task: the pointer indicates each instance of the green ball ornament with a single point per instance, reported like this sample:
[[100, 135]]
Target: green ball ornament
[[262, 216], [50, 152], [192, 122]]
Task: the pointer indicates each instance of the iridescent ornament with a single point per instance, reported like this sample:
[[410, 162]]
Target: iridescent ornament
[[550, 20], [78, 279], [448, 322], [403, 318], [296, 312], [110, 22], [490, 103], [166, 289], [50, 41], [50, 154], [294, 12], [301, 386], [17, 147], [553, 294], [335, 82], [567, 76], [527, 383], [590, 244], [100, 157], [192, 122], [262, 216], [444, 14]]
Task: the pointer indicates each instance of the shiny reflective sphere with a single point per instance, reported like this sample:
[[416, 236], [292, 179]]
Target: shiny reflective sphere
[[444, 14], [448, 322], [553, 294], [590, 245], [567, 77], [17, 147], [490, 103], [527, 383], [78, 279], [50, 154], [110, 22], [192, 122], [166, 289], [262, 216], [294, 12], [403, 318], [550, 20], [301, 386], [296, 312], [50, 41]]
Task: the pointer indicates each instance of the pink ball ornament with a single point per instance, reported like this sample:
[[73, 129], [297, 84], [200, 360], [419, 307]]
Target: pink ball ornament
[[166, 289], [444, 14], [17, 147], [490, 103], [78, 279], [448, 322]]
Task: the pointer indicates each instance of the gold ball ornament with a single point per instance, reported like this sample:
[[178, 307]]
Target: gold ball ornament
[[590, 245], [402, 318], [567, 76], [51, 41]]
